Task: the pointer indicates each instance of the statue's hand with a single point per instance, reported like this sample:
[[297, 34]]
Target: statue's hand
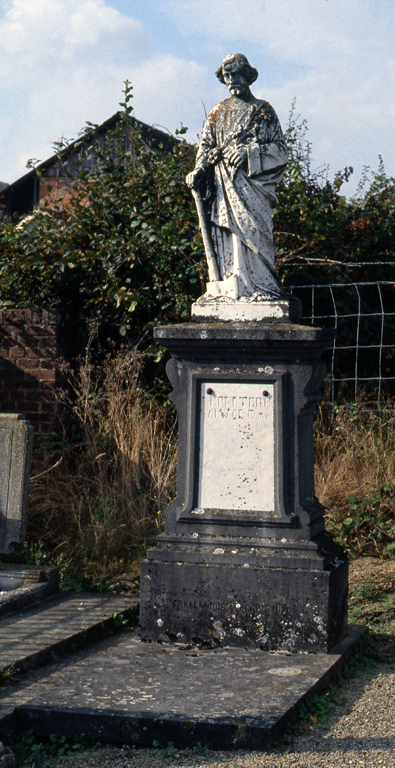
[[214, 156], [195, 178], [235, 156]]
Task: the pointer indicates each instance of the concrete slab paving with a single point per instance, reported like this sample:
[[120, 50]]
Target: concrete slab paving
[[128, 691], [28, 637]]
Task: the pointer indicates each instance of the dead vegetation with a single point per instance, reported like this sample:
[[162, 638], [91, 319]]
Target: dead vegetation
[[110, 475], [355, 476], [100, 488]]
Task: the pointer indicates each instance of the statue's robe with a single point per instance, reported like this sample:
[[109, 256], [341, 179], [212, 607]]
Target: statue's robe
[[243, 198]]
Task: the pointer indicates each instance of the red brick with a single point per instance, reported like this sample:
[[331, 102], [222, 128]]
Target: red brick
[[45, 374], [17, 352], [27, 363], [33, 352], [36, 330], [32, 416], [40, 316], [49, 396], [49, 363], [32, 385], [3, 352], [48, 353], [32, 376], [13, 330]]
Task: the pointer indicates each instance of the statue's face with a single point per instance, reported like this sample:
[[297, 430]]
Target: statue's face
[[234, 79]]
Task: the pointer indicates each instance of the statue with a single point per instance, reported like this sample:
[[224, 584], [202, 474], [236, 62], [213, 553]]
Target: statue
[[242, 156]]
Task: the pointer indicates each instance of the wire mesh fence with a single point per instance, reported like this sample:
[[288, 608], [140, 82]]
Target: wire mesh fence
[[361, 363]]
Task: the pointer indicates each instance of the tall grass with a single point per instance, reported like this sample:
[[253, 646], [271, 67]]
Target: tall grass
[[99, 489], [355, 477], [98, 493]]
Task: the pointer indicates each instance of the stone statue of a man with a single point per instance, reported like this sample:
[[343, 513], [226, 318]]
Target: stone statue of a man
[[241, 157]]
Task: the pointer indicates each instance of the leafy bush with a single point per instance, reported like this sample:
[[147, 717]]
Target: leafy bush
[[121, 251], [119, 255], [322, 237]]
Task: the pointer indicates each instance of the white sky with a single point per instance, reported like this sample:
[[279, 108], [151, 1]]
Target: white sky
[[64, 61]]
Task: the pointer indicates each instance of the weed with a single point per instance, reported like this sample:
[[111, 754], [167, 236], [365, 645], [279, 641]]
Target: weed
[[126, 623], [86, 584], [355, 477], [36, 553], [366, 591], [5, 675], [33, 751], [316, 709], [201, 749], [100, 508], [168, 752]]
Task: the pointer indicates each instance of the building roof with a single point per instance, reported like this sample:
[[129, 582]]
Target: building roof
[[23, 194]]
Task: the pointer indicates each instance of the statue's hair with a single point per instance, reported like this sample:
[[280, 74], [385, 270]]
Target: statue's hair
[[249, 72]]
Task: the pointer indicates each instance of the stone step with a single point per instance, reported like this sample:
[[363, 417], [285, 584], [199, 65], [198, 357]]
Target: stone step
[[130, 692], [36, 634]]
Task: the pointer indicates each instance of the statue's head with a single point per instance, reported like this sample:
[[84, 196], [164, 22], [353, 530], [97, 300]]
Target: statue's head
[[237, 61]]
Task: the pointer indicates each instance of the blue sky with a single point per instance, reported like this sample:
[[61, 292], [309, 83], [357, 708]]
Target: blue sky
[[64, 61]]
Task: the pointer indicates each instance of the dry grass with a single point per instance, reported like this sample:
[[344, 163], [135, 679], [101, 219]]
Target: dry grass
[[355, 456], [97, 498], [96, 501]]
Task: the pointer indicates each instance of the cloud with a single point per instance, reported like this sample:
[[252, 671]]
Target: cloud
[[169, 90], [61, 62], [56, 32], [298, 30]]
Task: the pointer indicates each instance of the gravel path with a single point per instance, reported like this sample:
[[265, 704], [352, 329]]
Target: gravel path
[[359, 732]]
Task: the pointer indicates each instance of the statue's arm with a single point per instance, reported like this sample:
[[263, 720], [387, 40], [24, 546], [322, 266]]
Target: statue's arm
[[208, 154], [267, 152]]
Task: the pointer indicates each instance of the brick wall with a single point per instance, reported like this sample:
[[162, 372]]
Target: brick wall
[[28, 352]]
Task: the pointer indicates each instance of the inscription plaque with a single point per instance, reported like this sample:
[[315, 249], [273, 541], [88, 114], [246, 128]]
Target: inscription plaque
[[236, 446]]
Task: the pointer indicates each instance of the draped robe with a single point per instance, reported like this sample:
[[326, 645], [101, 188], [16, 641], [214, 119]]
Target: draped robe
[[242, 199]]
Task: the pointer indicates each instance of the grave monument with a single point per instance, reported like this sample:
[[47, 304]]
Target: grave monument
[[16, 443], [20, 584], [245, 559]]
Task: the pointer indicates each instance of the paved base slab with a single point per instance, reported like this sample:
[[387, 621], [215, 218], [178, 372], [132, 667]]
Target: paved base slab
[[134, 692], [24, 585], [29, 637]]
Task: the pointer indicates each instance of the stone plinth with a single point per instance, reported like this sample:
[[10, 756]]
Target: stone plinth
[[16, 440], [224, 309], [245, 560]]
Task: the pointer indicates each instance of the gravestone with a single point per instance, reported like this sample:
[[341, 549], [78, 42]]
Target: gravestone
[[16, 440], [245, 559]]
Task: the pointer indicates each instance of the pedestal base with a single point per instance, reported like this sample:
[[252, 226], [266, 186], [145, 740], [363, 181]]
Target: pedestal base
[[224, 309], [276, 601], [245, 560]]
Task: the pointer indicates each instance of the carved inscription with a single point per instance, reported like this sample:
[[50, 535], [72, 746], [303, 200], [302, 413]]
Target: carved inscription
[[241, 407], [236, 446], [228, 608]]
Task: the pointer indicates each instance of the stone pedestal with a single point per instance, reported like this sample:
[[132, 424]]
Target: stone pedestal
[[245, 560]]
